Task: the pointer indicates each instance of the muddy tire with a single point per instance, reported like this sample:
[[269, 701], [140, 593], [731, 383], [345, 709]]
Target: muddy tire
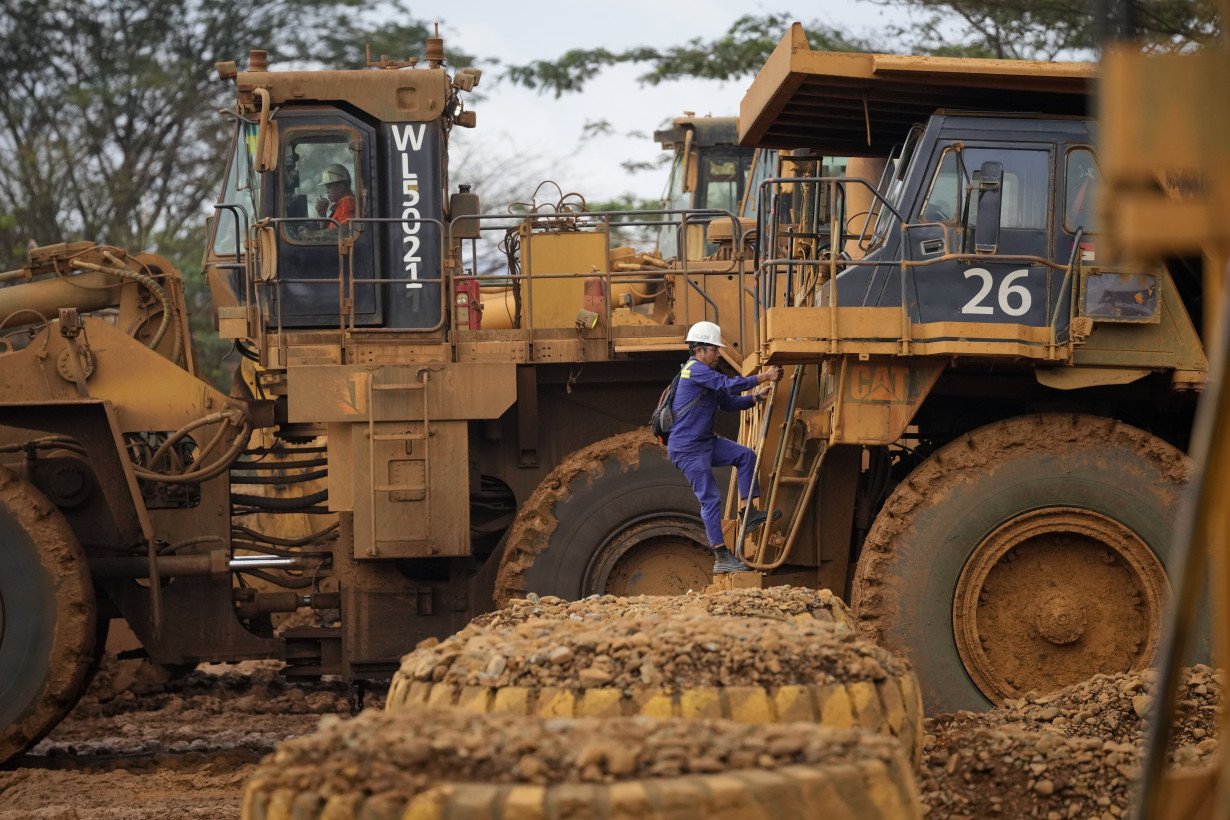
[[47, 616], [890, 707], [747, 670], [1024, 556], [381, 765], [615, 517]]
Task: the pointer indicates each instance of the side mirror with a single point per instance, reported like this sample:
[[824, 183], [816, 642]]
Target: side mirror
[[266, 135], [990, 202]]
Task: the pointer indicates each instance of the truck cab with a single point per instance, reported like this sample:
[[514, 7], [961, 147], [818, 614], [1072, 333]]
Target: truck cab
[[956, 169]]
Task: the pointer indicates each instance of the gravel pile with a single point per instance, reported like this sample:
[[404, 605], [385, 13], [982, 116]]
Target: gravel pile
[[1113, 708], [409, 752], [782, 602], [1076, 752], [979, 772], [675, 650]]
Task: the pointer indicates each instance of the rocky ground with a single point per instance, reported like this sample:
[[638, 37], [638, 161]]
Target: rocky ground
[[409, 752], [1072, 753], [140, 746]]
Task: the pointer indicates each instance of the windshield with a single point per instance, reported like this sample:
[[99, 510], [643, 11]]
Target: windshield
[[675, 198], [892, 186], [238, 189]]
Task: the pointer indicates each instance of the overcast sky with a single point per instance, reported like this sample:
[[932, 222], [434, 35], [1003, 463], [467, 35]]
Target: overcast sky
[[545, 131]]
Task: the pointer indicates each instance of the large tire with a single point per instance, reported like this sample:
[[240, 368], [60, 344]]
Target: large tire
[[1024, 556], [47, 616], [615, 517], [695, 667], [471, 767]]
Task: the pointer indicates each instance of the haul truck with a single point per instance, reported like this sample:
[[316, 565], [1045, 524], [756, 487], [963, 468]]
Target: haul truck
[[981, 432], [375, 404]]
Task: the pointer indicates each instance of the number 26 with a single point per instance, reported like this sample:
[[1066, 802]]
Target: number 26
[[1006, 290]]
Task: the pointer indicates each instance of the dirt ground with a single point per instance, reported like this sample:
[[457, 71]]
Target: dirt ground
[[139, 747]]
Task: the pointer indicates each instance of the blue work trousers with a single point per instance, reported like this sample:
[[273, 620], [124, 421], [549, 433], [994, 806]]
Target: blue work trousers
[[698, 468]]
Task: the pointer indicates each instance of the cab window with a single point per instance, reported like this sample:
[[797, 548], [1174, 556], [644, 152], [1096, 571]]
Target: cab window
[[676, 199], [318, 185], [1025, 180], [239, 189], [944, 199], [722, 177]]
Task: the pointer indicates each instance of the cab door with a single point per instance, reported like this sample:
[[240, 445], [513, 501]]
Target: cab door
[[983, 286], [321, 262]]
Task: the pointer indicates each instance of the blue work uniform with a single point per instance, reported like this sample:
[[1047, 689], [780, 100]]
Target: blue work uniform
[[695, 449]]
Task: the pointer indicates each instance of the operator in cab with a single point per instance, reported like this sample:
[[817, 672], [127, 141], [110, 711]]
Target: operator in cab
[[695, 449], [338, 201]]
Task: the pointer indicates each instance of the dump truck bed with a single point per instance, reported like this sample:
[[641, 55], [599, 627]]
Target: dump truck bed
[[856, 104]]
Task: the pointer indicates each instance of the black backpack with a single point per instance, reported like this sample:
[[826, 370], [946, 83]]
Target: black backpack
[[664, 417]]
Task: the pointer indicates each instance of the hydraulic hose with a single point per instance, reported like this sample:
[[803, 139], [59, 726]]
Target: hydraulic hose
[[117, 269], [266, 502]]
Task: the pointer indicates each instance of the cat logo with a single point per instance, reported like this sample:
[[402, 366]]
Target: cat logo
[[879, 384], [353, 398]]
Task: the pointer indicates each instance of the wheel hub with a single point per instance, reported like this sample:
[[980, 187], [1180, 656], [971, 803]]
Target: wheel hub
[[1054, 596], [656, 556], [1061, 620]]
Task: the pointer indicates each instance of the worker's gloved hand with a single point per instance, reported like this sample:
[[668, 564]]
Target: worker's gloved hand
[[761, 393]]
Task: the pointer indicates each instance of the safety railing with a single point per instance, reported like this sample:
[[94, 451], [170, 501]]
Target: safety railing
[[717, 285], [785, 278], [697, 276]]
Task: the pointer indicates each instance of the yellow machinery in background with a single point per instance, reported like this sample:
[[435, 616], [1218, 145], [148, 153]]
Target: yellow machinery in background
[[1166, 160]]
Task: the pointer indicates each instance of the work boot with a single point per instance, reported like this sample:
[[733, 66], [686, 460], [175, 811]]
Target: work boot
[[758, 517], [727, 562]]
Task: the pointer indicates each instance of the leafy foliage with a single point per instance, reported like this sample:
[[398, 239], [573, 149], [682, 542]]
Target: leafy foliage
[[108, 115], [738, 53], [1043, 29]]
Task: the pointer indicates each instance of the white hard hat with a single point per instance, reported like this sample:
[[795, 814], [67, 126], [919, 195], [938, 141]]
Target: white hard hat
[[334, 173], [705, 333]]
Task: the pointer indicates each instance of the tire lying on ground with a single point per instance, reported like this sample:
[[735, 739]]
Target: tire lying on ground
[[681, 665], [783, 602], [461, 765]]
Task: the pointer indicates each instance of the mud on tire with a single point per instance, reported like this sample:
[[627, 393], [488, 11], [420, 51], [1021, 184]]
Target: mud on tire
[[449, 764], [609, 508], [782, 602], [749, 670], [47, 616], [1024, 556]]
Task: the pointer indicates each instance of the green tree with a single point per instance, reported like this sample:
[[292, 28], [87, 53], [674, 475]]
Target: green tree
[[108, 125], [1044, 29], [1015, 29], [740, 52]]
